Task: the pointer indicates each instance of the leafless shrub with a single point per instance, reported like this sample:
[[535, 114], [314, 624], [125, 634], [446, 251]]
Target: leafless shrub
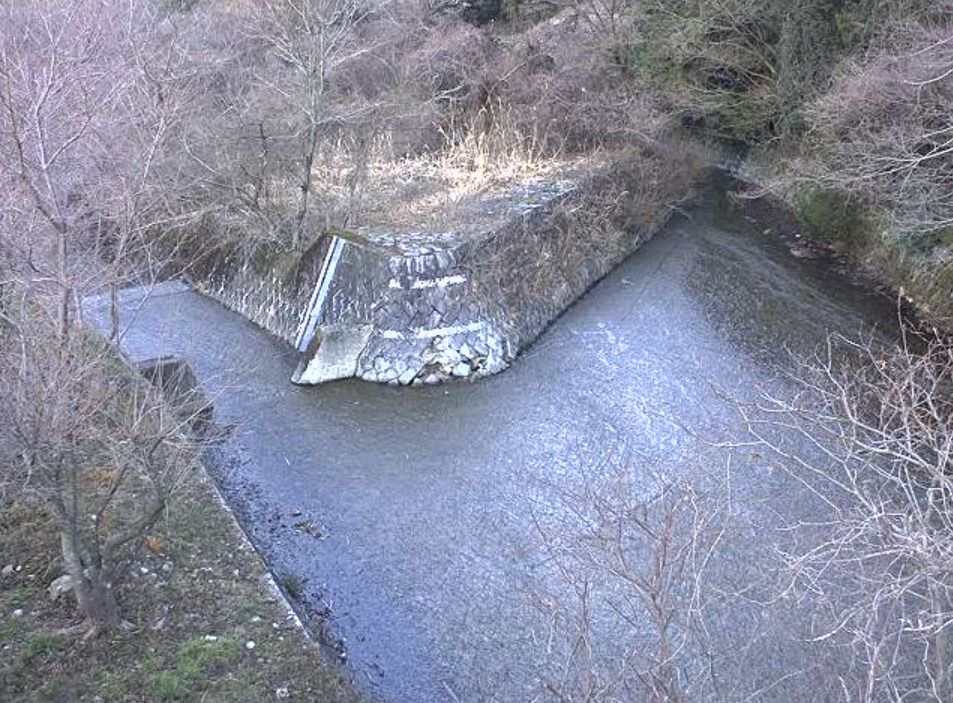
[[874, 442], [570, 93], [631, 550], [88, 103], [449, 62], [286, 87], [611, 25], [98, 447], [883, 130]]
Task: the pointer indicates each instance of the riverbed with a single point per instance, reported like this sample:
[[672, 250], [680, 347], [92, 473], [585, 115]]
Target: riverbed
[[421, 529]]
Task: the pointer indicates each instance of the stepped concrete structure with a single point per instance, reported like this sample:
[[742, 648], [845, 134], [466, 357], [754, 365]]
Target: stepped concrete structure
[[458, 300], [420, 307]]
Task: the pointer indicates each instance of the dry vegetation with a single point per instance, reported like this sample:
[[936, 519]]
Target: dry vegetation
[[137, 136], [871, 435], [848, 100], [875, 174], [428, 114]]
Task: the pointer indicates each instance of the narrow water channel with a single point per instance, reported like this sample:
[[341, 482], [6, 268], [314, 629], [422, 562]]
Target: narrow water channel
[[416, 519]]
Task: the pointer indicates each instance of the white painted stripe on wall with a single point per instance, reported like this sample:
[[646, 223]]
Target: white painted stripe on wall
[[439, 282], [447, 331], [419, 283], [425, 333], [320, 293]]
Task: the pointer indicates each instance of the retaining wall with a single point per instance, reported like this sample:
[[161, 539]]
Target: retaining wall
[[424, 307]]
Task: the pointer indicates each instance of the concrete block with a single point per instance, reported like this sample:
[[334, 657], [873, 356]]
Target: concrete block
[[336, 356]]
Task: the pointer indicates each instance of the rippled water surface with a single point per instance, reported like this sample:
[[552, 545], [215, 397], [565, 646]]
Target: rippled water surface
[[416, 517]]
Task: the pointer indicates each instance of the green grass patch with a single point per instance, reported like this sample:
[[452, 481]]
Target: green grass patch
[[12, 629], [193, 664], [114, 685], [39, 645], [838, 219], [14, 598]]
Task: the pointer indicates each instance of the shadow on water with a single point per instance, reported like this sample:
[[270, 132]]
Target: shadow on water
[[765, 288], [417, 525]]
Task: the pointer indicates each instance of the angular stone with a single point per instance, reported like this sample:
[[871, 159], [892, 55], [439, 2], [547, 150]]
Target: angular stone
[[444, 260], [460, 282], [61, 585], [336, 357]]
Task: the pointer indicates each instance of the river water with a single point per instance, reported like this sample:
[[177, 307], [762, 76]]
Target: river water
[[424, 527]]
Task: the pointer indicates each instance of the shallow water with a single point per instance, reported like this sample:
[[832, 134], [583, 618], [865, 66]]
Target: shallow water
[[417, 516]]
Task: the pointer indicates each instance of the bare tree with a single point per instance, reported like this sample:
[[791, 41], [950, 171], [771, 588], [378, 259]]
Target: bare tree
[[632, 554], [55, 97], [89, 94], [309, 39], [102, 449], [88, 102], [874, 442]]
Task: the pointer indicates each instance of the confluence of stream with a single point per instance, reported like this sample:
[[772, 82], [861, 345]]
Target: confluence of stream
[[415, 518]]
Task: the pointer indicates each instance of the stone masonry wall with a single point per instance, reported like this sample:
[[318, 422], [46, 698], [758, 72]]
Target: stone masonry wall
[[463, 307], [536, 266], [269, 288], [416, 321], [424, 307]]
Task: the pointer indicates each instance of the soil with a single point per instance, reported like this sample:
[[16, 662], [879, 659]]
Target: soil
[[204, 621]]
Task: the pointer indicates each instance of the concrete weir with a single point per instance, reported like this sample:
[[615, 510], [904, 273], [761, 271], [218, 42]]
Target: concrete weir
[[459, 300], [401, 311], [400, 314]]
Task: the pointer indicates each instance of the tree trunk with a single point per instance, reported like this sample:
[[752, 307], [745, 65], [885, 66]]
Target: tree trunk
[[114, 313], [305, 186], [942, 662], [63, 316], [93, 586], [98, 601]]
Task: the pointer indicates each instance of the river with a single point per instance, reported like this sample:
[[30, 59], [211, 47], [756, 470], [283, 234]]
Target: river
[[419, 524]]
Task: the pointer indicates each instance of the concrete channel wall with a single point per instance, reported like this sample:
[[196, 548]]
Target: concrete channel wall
[[424, 307]]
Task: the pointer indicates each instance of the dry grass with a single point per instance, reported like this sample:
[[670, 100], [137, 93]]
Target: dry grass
[[441, 190]]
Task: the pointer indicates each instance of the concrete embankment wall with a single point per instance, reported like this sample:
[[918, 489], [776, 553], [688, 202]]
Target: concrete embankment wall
[[270, 288], [424, 307], [535, 267]]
